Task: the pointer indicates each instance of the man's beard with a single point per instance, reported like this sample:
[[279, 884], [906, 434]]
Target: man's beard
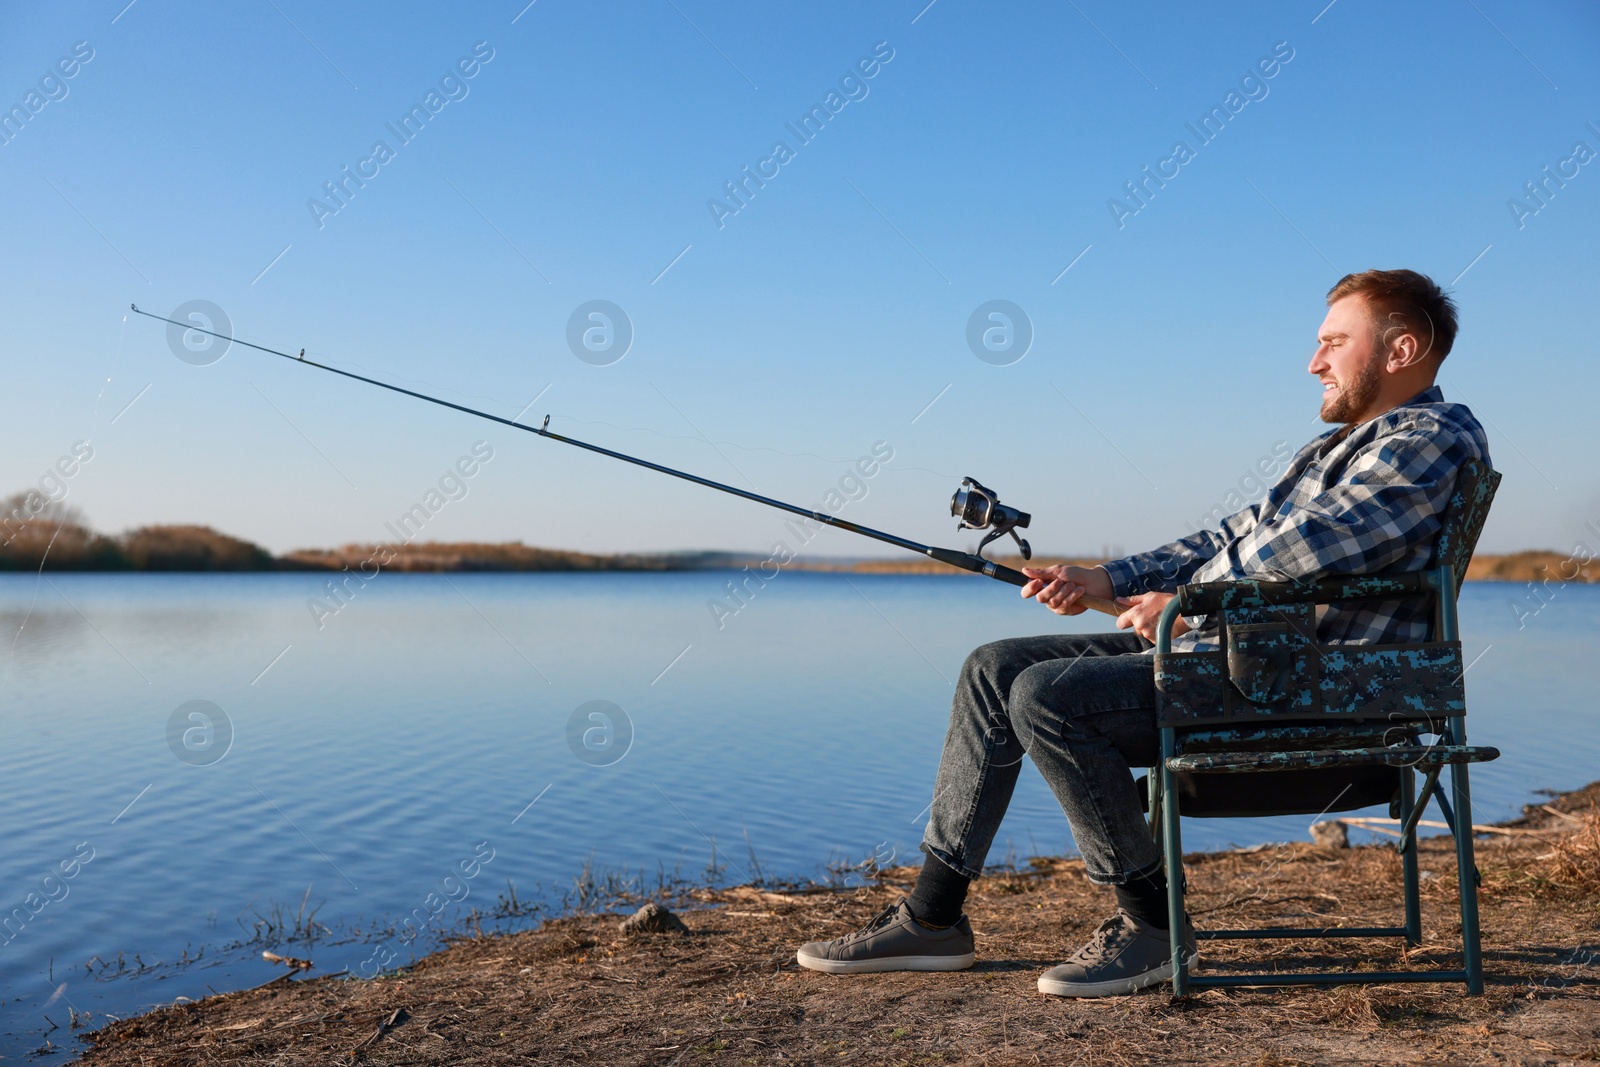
[[1353, 397]]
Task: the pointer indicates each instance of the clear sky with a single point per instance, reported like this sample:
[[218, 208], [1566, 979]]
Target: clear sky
[[186, 156]]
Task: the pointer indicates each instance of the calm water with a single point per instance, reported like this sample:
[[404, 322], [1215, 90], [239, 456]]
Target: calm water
[[379, 759]]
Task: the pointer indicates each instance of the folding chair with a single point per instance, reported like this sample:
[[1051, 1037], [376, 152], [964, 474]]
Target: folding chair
[[1322, 728]]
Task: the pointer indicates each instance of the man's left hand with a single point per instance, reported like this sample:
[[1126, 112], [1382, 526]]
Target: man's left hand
[[1142, 611]]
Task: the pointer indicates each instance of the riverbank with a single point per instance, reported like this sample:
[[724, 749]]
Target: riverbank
[[59, 545], [729, 992]]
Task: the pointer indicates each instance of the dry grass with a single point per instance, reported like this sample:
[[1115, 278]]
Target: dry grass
[[1565, 865], [1351, 1007], [1573, 863], [577, 991]]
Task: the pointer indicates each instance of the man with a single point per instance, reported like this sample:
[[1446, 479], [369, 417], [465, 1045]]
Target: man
[[1366, 496]]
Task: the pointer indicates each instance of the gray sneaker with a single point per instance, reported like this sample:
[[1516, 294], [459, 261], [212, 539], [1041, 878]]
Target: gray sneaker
[[894, 941], [1123, 956]]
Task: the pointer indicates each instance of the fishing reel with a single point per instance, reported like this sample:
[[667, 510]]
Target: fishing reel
[[979, 508]]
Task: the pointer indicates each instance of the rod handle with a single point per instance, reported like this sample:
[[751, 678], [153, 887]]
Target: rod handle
[[993, 570]]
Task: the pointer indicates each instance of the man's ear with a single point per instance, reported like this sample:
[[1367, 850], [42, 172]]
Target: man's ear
[[1406, 347], [1404, 351]]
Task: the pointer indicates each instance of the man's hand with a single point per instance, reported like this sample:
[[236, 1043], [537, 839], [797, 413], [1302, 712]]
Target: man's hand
[[1059, 588], [1143, 612]]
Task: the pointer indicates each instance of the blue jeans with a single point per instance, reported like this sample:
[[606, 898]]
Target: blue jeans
[[1083, 707]]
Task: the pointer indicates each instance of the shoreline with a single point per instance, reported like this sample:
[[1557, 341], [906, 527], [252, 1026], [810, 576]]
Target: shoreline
[[64, 544], [729, 991], [1544, 567]]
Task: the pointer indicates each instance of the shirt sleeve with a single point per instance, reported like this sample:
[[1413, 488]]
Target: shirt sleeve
[[1162, 570]]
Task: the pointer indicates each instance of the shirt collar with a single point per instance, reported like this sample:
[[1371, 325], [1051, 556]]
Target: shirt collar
[[1431, 395]]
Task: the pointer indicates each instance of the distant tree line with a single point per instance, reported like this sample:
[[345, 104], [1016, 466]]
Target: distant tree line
[[36, 534], [41, 534]]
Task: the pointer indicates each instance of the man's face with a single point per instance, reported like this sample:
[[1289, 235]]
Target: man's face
[[1348, 360]]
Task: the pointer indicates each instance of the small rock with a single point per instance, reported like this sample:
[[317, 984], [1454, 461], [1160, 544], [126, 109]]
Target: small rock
[[1331, 834], [653, 919]]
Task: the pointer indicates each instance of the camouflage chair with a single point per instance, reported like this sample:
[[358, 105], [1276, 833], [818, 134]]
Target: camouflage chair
[[1277, 724]]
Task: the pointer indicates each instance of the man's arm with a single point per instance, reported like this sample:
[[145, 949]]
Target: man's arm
[[1139, 583], [1392, 496], [1162, 570]]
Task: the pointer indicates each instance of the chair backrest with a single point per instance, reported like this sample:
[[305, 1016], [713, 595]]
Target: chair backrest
[[1464, 517]]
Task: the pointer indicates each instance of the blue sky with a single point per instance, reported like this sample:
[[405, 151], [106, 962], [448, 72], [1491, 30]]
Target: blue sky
[[577, 163]]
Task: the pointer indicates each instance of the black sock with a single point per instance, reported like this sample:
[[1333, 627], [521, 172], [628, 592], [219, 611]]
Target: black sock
[[939, 895], [1144, 896]]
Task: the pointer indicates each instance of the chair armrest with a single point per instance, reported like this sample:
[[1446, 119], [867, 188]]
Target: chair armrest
[[1203, 598]]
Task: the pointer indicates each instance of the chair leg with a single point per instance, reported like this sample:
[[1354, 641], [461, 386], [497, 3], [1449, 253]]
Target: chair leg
[[1450, 821], [1154, 780], [1172, 854], [1466, 875], [1408, 825], [1408, 855], [1444, 806]]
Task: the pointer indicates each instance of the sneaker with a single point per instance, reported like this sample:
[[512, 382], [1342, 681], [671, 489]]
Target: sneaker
[[1124, 955], [894, 941]]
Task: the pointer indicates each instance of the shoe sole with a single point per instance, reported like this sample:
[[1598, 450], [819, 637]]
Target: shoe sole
[[888, 963], [1120, 987]]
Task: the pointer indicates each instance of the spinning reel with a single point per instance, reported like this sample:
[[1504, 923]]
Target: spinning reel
[[979, 508]]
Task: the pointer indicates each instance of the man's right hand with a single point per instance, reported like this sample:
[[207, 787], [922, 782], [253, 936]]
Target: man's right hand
[[1059, 588]]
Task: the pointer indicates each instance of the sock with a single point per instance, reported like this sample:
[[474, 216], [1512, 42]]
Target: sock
[[940, 892], [1144, 896]]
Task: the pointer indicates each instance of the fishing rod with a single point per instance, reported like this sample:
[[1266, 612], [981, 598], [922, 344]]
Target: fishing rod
[[975, 506]]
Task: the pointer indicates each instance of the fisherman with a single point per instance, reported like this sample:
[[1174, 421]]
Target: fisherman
[[1366, 496]]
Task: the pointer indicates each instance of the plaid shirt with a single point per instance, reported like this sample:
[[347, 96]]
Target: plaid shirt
[[1355, 500]]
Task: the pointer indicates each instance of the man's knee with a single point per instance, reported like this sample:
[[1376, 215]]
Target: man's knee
[[986, 661], [1039, 701]]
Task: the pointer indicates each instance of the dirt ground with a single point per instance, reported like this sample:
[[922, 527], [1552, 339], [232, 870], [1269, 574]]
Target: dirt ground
[[729, 992]]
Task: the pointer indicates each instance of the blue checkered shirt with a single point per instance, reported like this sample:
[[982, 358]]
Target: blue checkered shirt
[[1355, 500]]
